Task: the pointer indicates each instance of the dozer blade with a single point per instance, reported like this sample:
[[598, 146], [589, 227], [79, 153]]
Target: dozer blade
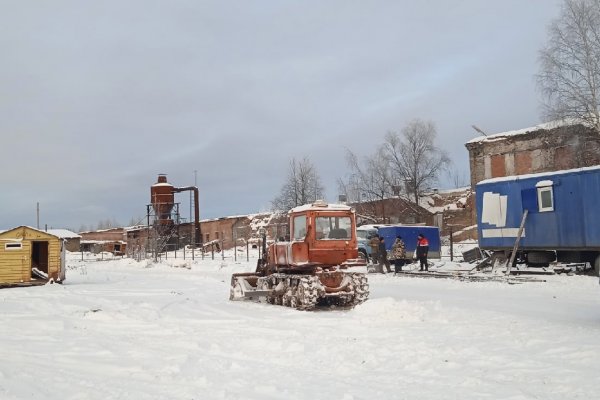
[[244, 287]]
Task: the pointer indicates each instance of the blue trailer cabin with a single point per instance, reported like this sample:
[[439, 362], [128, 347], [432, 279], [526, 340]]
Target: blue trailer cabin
[[563, 221], [409, 236]]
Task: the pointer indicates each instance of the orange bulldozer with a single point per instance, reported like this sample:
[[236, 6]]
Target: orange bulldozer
[[316, 266]]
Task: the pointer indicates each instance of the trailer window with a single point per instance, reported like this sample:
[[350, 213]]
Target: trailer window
[[334, 228], [299, 227], [545, 199]]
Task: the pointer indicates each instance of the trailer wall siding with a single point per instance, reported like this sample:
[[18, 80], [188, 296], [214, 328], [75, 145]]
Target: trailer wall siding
[[571, 225]]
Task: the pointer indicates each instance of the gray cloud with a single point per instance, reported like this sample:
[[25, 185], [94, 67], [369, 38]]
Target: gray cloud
[[99, 97]]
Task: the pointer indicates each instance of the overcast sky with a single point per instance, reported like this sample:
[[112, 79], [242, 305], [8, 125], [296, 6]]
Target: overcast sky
[[98, 97]]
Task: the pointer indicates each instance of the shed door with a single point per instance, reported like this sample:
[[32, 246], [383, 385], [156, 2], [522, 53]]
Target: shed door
[[39, 256]]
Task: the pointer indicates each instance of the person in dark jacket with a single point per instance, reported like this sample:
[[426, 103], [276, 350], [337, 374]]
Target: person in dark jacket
[[382, 254], [422, 250]]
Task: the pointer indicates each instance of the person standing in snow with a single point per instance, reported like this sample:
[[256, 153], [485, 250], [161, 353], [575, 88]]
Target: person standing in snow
[[383, 260], [422, 250], [374, 244], [398, 254]]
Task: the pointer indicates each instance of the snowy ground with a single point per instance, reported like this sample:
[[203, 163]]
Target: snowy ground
[[120, 329]]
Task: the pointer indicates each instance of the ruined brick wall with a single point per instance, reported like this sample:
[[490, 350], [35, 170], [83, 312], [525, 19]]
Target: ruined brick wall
[[459, 221], [225, 230], [542, 150], [115, 234]]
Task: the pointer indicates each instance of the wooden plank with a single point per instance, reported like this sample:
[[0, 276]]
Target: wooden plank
[[15, 277], [517, 240], [6, 285], [11, 270]]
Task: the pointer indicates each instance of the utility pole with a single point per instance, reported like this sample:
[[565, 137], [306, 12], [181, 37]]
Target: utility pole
[[38, 215], [194, 240]]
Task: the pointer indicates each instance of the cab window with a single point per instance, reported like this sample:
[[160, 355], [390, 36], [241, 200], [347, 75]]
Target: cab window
[[299, 227], [333, 228]]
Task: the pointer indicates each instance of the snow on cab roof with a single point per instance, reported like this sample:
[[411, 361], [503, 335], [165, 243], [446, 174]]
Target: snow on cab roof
[[538, 175], [545, 126], [320, 205]]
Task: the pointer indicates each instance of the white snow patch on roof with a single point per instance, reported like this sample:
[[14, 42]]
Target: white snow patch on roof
[[544, 183], [544, 126], [318, 207], [63, 233], [102, 241], [447, 191]]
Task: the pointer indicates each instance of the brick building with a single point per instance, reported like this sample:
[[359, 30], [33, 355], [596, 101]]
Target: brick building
[[552, 146], [113, 240], [452, 211], [225, 231]]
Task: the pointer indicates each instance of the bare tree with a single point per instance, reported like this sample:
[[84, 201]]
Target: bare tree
[[107, 224], [413, 157], [303, 185], [349, 188], [457, 178], [370, 179], [569, 75]]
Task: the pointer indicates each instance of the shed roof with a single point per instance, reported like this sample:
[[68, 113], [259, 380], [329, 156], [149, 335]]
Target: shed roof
[[32, 228], [63, 233]]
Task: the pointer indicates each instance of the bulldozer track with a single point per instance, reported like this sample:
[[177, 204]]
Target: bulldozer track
[[305, 292]]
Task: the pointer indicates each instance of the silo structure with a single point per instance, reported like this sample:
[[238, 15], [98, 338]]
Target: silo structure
[[162, 198]]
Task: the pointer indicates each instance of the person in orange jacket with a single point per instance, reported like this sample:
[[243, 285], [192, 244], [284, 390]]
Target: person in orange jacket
[[422, 250]]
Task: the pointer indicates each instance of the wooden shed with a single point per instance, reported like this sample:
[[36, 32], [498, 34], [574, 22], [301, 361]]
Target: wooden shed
[[29, 256]]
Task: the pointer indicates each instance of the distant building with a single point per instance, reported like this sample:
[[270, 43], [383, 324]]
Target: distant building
[[113, 240], [72, 240], [393, 210], [218, 233], [552, 146]]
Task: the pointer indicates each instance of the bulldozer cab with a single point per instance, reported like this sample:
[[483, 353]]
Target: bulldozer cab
[[323, 233]]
